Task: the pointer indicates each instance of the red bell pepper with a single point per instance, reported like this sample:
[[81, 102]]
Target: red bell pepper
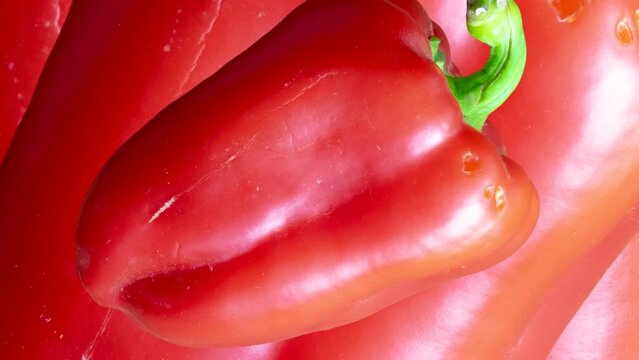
[[29, 29], [580, 159], [50, 168], [379, 191]]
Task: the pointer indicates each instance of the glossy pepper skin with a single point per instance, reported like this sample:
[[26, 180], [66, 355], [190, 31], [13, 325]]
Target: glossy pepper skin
[[576, 139], [591, 179], [322, 175], [598, 319], [67, 135], [105, 78], [604, 328], [606, 325], [29, 30]]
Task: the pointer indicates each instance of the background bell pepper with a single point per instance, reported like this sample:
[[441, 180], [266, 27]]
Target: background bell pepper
[[605, 327], [575, 286], [29, 30]]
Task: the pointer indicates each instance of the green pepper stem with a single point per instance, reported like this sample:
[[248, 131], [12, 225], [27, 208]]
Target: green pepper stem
[[496, 23]]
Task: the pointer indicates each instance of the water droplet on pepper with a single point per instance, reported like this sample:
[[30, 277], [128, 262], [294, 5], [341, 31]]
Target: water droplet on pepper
[[567, 10], [489, 192], [471, 163], [45, 319], [624, 33], [500, 197]]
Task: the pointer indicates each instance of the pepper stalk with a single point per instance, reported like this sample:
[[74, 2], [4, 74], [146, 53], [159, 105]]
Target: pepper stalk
[[497, 23]]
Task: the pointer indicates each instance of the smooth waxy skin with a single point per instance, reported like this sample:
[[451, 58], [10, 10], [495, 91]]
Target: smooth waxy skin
[[56, 156], [611, 313], [105, 78], [63, 143], [605, 327], [296, 190], [577, 139], [591, 182], [29, 30]]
